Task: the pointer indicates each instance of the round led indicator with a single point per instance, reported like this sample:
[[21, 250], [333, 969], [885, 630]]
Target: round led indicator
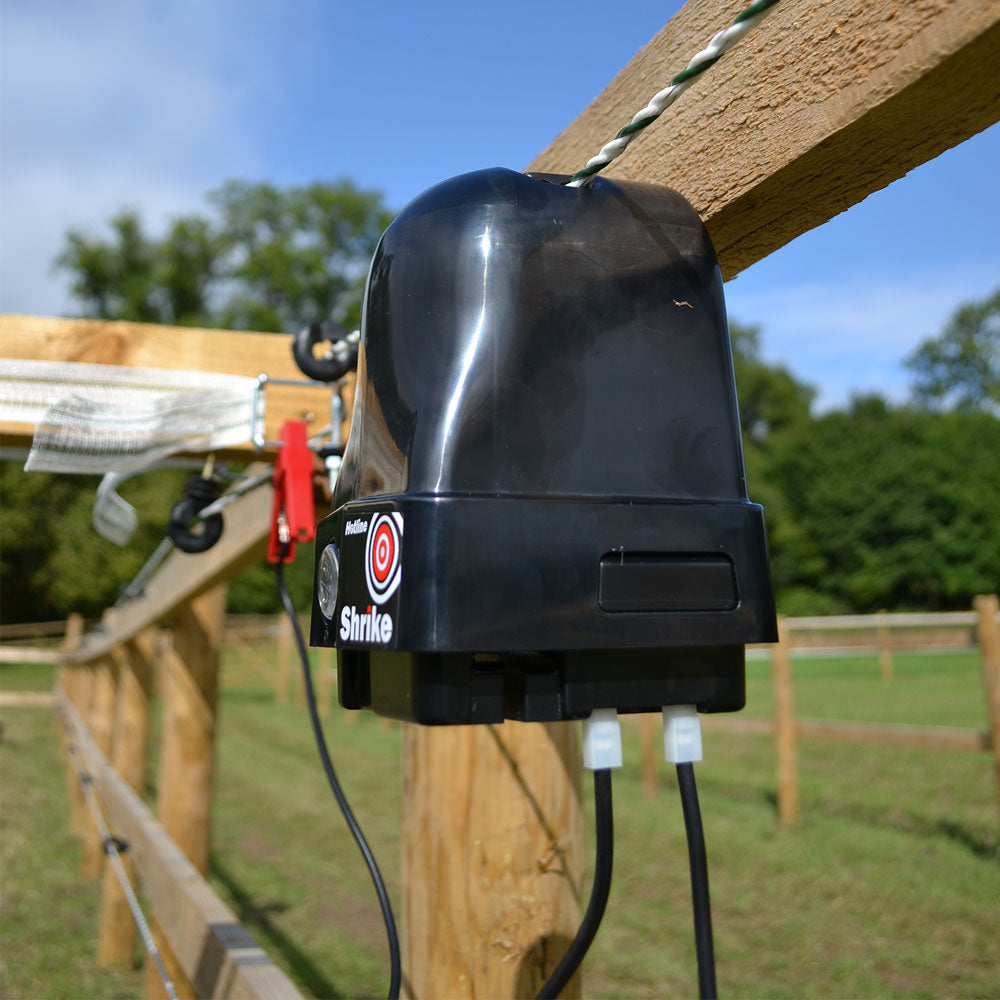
[[328, 580]]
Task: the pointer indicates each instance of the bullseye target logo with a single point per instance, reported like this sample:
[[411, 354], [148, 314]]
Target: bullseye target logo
[[382, 556], [366, 618]]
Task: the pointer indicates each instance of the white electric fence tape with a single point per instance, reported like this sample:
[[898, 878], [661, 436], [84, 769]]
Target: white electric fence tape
[[102, 418]]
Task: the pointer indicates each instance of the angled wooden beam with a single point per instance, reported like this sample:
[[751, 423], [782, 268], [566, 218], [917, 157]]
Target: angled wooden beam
[[145, 345], [183, 576], [822, 104]]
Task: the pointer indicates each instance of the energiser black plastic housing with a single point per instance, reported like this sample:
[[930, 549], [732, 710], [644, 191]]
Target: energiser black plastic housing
[[542, 508]]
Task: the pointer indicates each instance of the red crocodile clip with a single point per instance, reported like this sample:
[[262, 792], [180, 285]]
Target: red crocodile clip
[[293, 494]]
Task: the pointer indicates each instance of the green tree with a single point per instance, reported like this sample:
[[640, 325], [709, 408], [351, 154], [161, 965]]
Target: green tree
[[961, 366], [264, 258], [897, 506], [261, 258], [771, 398], [52, 561], [774, 405]]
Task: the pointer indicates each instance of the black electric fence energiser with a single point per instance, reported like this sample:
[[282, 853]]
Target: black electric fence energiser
[[541, 513]]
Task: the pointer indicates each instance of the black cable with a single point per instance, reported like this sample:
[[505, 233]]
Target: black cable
[[338, 792], [704, 948], [604, 821]]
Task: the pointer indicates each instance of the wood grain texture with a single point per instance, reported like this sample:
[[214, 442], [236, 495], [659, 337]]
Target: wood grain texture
[[190, 685], [145, 345], [822, 104], [492, 858], [215, 951]]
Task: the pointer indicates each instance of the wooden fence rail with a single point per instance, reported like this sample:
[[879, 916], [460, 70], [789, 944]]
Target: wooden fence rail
[[787, 728], [103, 695], [209, 946]]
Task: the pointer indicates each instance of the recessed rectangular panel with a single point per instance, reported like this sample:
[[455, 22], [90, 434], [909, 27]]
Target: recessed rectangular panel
[[661, 582]]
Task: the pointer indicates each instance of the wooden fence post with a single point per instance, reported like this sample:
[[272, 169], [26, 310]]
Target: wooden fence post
[[101, 722], [784, 724], [190, 694], [189, 685], [884, 647], [66, 680], [492, 857], [116, 939], [988, 634]]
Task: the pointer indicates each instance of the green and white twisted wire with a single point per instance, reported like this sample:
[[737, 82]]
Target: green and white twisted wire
[[720, 44]]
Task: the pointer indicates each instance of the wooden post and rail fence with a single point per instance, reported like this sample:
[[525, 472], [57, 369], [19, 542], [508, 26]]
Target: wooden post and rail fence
[[103, 705], [827, 102], [881, 634]]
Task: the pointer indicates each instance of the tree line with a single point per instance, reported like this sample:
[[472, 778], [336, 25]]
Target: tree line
[[874, 505]]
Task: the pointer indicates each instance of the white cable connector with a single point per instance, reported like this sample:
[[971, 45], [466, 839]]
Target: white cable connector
[[602, 740], [681, 734]]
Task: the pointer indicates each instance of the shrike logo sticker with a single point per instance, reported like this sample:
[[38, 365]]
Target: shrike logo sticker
[[383, 555], [366, 617]]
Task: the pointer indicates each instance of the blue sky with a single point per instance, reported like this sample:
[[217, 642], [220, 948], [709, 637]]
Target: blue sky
[[151, 105]]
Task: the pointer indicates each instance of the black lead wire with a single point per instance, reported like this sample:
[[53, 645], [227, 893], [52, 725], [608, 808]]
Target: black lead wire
[[604, 821], [338, 792], [704, 949]]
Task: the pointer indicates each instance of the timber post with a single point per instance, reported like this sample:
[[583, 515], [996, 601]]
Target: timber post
[[492, 857], [67, 682], [784, 723], [884, 646], [189, 683], [101, 721], [190, 695], [987, 607], [134, 660]]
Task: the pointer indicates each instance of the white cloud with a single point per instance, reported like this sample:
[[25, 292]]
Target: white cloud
[[108, 104], [851, 337]]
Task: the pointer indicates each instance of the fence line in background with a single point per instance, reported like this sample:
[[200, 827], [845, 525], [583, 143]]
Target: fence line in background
[[103, 693], [212, 954], [983, 623]]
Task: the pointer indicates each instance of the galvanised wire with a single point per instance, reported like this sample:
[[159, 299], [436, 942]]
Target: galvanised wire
[[111, 849]]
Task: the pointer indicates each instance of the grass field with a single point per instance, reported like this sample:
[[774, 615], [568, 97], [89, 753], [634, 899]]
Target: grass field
[[890, 886]]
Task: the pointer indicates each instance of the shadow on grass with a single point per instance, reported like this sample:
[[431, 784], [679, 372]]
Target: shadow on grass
[[978, 843], [984, 847], [257, 916], [249, 695]]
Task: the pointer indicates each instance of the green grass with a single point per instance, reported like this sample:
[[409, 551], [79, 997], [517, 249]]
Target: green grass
[[890, 886], [48, 920]]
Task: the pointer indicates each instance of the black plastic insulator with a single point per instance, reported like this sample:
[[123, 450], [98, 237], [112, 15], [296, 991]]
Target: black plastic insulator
[[121, 846], [341, 357], [199, 492]]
